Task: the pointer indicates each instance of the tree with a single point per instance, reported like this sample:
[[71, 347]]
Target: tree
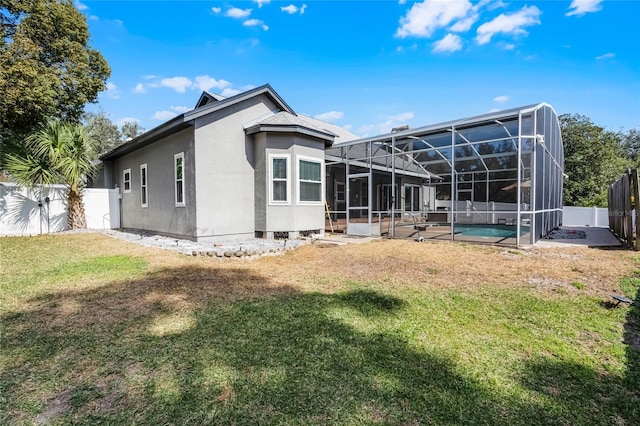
[[594, 158], [58, 153], [631, 144], [103, 130], [131, 130], [47, 68]]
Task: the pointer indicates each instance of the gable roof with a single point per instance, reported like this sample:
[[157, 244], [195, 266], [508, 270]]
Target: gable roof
[[186, 119], [207, 98], [265, 89]]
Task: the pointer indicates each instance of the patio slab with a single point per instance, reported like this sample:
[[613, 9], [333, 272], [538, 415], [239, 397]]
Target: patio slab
[[594, 237]]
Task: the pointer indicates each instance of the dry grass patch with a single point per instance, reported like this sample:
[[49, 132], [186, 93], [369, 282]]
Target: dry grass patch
[[97, 330]]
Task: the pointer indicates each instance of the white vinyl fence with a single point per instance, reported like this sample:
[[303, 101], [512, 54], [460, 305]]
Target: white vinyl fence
[[585, 216], [43, 209]]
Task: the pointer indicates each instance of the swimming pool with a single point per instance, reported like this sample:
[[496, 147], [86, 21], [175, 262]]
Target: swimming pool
[[490, 230]]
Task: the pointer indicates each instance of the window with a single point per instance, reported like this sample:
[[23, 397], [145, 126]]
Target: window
[[178, 167], [309, 180], [143, 186], [279, 172], [126, 180]]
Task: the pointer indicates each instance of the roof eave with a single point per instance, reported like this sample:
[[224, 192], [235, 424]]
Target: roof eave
[[175, 124], [264, 89], [328, 138]]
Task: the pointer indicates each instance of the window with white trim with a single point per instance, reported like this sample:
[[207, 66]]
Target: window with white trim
[[280, 189], [178, 173], [309, 180], [144, 201], [126, 180]]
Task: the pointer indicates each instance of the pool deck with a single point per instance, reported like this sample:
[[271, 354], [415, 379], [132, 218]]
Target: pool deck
[[595, 237]]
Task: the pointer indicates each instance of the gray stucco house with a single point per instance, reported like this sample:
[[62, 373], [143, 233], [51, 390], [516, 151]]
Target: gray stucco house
[[243, 166]]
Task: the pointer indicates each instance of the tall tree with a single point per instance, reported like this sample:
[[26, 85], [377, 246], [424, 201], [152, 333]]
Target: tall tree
[[103, 130], [631, 144], [47, 68], [58, 153], [594, 158], [131, 130]]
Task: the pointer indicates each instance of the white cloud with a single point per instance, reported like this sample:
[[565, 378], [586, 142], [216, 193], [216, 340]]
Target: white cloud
[[255, 23], [216, 10], [235, 12], [464, 24], [450, 43], [122, 121], [179, 109], [329, 116], [501, 98], [387, 125], [94, 18], [509, 24], [150, 77], [606, 56], [292, 9], [347, 127], [495, 110], [261, 2], [580, 7], [163, 115], [112, 91], [228, 92], [425, 17], [179, 84], [81, 6], [509, 46], [139, 88], [402, 1], [496, 5], [204, 82]]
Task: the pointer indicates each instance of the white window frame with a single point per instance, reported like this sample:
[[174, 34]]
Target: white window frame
[[300, 158], [176, 180], [125, 181], [271, 180], [144, 188]]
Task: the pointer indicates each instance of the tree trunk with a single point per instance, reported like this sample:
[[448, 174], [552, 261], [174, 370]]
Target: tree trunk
[[75, 211]]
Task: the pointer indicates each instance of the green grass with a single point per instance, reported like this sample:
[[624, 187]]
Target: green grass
[[99, 338]]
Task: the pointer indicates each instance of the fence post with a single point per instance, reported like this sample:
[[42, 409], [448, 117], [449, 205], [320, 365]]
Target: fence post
[[635, 196]]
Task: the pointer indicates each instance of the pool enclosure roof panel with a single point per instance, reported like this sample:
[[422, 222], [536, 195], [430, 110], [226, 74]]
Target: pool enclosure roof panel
[[460, 123], [484, 143]]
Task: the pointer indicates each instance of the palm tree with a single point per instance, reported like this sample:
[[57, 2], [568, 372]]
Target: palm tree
[[58, 153]]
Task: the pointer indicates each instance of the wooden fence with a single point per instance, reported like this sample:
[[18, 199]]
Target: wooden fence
[[623, 198]]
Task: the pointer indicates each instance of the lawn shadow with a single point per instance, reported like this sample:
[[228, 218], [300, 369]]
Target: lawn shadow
[[632, 340], [227, 346], [587, 393]]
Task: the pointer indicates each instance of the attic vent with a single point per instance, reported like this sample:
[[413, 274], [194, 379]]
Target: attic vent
[[280, 235]]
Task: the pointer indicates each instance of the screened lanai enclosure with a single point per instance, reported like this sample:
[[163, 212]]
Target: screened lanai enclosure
[[495, 178]]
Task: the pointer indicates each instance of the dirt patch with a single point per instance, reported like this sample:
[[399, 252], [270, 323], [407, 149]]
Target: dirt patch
[[55, 408]]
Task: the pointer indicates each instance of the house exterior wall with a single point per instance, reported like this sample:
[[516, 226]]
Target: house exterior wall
[[225, 170], [293, 216], [260, 182], [161, 214]]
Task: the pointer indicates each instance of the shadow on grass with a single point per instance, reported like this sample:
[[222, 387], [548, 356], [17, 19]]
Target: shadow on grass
[[632, 340], [223, 346]]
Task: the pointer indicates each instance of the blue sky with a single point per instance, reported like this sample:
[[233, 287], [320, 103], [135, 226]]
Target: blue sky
[[372, 65]]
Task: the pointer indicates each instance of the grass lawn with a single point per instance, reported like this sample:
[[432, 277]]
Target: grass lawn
[[96, 330]]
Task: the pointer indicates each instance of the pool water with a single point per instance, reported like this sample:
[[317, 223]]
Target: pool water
[[503, 231]]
